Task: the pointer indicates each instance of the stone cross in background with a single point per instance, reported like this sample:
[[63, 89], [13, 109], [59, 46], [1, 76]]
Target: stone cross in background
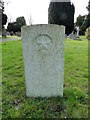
[[78, 31]]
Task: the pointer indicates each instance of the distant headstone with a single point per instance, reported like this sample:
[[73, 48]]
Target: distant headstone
[[43, 52], [8, 33], [18, 33], [73, 36]]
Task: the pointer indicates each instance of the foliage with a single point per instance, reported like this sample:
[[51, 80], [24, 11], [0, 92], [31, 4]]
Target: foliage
[[12, 27], [88, 7], [62, 13], [4, 19], [21, 21], [1, 6], [4, 16], [88, 33], [84, 21], [85, 24], [16, 26], [74, 103], [80, 20]]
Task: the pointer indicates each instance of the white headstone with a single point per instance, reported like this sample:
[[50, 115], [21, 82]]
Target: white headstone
[[43, 52], [78, 31]]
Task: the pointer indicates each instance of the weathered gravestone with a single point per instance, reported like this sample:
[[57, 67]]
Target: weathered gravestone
[[73, 36], [43, 52]]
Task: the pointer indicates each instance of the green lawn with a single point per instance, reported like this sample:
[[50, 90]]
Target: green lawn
[[9, 36], [74, 103]]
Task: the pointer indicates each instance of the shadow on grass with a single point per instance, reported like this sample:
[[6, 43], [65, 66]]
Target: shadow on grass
[[50, 107]]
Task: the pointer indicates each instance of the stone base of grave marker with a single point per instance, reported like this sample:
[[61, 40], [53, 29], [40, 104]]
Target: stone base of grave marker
[[43, 53], [74, 36]]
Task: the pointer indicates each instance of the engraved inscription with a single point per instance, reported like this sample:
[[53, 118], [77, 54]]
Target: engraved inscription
[[42, 41]]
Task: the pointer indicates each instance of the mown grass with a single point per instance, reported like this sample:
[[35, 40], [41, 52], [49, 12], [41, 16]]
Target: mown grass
[[8, 36], [74, 103]]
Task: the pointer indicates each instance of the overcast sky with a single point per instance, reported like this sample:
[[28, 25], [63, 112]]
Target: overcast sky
[[37, 9]]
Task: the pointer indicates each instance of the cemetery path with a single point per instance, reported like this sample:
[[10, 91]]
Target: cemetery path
[[10, 39]]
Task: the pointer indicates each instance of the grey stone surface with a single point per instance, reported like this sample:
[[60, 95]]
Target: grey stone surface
[[73, 36], [43, 52]]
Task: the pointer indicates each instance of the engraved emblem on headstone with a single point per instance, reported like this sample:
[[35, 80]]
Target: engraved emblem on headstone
[[42, 42]]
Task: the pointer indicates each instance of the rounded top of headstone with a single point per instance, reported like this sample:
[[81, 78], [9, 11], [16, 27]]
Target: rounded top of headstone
[[60, 0]]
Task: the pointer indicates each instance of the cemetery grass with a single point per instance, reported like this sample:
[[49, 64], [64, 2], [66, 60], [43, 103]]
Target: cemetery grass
[[74, 103], [9, 36]]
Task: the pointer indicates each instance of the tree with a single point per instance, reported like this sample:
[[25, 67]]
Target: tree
[[86, 23], [81, 23], [0, 15], [88, 7], [12, 27], [4, 19], [16, 26], [4, 16], [21, 21], [80, 20], [62, 13]]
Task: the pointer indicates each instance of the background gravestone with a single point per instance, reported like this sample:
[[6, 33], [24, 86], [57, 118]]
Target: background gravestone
[[43, 52], [73, 36]]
